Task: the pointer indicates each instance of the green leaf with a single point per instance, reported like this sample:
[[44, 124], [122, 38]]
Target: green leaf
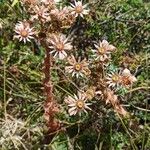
[[60, 142]]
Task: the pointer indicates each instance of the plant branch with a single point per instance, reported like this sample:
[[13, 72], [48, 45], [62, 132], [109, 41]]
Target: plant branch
[[139, 88]]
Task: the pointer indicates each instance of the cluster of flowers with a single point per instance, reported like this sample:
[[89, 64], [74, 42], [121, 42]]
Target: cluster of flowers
[[111, 82], [46, 11]]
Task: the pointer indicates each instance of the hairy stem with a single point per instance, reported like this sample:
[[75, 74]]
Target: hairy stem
[[47, 79], [50, 105]]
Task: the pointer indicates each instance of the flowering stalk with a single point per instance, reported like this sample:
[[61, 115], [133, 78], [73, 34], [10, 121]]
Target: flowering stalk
[[50, 106], [51, 21], [46, 24]]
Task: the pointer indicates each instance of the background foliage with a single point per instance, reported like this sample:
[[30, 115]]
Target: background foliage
[[126, 23]]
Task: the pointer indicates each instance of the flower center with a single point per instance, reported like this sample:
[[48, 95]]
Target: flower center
[[101, 50], [79, 9], [77, 67], [60, 46], [24, 33], [115, 78], [80, 104]]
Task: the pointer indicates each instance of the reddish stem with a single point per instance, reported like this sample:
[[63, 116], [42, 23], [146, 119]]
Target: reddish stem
[[47, 79], [50, 105]]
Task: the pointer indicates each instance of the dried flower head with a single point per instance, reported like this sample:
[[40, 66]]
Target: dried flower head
[[78, 68], [59, 45], [50, 4], [78, 9], [24, 32], [119, 109], [30, 2], [77, 104], [40, 13], [127, 78], [60, 14], [90, 93], [103, 49], [113, 99]]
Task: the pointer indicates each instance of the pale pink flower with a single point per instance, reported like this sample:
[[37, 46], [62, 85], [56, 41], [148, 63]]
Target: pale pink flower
[[113, 80], [78, 9], [78, 68], [127, 78], [103, 49], [59, 45], [77, 104], [40, 13], [24, 32]]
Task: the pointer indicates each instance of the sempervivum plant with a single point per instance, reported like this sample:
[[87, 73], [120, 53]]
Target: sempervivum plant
[[47, 24]]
